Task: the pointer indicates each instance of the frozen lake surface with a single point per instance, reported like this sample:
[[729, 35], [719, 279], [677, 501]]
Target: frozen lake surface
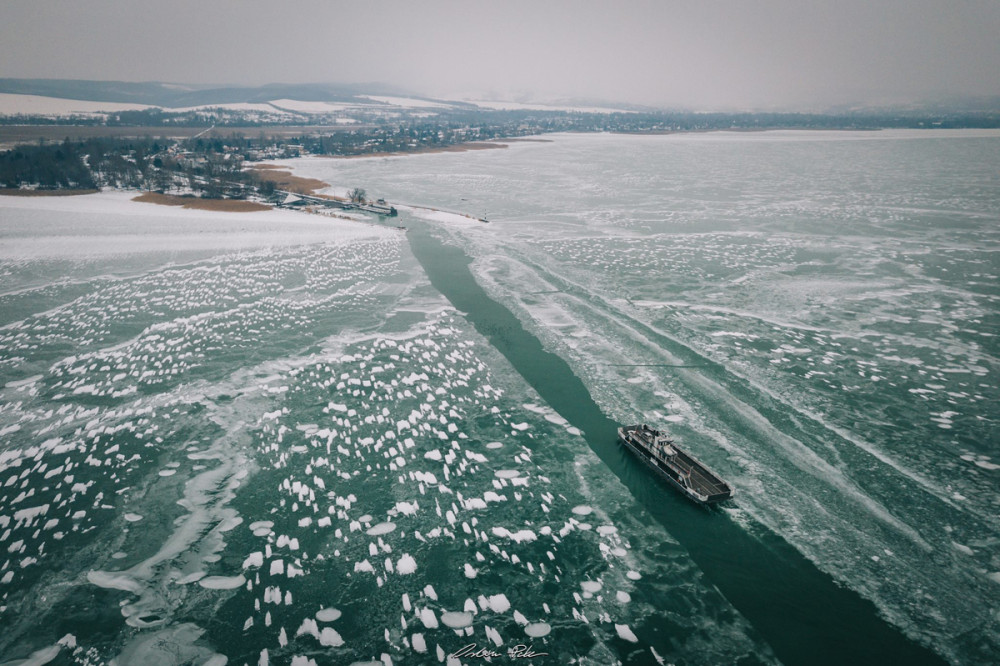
[[269, 438]]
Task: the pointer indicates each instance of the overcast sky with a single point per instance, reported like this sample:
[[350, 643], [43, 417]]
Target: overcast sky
[[696, 54]]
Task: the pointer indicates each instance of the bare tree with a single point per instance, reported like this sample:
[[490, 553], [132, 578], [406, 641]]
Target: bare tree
[[163, 180], [358, 195]]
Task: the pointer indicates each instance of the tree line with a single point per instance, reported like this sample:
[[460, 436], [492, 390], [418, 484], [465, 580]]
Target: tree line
[[116, 163], [48, 167]]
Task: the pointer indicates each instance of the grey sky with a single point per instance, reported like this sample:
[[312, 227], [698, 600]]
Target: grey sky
[[701, 54]]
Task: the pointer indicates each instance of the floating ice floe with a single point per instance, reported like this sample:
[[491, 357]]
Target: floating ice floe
[[625, 633], [518, 537], [406, 564], [538, 629], [327, 615], [407, 508], [255, 559], [456, 619], [428, 618], [222, 582], [498, 603], [962, 548], [308, 628], [380, 529], [330, 638]]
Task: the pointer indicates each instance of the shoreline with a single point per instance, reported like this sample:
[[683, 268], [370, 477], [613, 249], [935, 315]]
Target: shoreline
[[749, 130], [453, 148], [921, 132], [17, 192], [284, 172]]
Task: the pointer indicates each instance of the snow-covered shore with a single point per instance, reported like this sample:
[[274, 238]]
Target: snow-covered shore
[[108, 223]]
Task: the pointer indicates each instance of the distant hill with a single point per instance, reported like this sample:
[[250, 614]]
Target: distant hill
[[168, 95], [174, 96]]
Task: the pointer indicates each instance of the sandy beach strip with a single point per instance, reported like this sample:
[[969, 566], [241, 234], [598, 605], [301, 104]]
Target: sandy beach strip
[[111, 223], [285, 180], [227, 205]]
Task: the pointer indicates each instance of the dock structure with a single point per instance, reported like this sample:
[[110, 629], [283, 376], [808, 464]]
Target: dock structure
[[380, 207]]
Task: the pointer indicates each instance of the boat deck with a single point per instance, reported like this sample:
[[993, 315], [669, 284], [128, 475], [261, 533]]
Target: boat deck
[[671, 460], [701, 479]]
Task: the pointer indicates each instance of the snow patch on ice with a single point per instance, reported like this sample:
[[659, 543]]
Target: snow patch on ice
[[406, 564], [327, 615], [499, 603], [222, 582], [380, 529], [538, 629], [456, 619], [625, 633]]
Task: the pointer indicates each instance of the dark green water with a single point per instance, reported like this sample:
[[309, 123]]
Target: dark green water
[[801, 612]]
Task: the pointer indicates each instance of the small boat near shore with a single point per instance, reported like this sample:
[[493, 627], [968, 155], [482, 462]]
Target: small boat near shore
[[681, 469]]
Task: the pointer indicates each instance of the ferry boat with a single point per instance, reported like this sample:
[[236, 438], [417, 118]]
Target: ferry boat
[[681, 469]]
